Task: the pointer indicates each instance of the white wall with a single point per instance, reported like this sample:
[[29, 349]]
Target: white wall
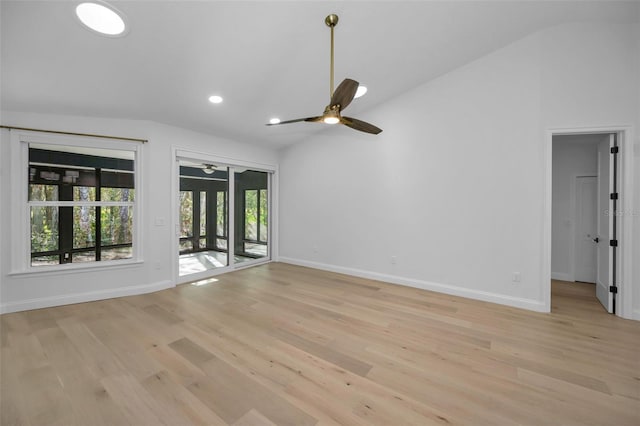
[[19, 292], [454, 186], [636, 209], [570, 159]]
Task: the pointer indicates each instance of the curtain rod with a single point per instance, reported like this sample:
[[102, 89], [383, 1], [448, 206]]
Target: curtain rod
[[74, 134]]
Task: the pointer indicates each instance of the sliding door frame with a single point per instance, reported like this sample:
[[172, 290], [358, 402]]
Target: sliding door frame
[[179, 153]]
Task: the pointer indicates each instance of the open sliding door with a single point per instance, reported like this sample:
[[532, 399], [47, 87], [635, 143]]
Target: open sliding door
[[607, 230]]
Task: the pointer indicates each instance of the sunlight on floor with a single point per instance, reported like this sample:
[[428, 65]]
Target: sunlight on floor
[[204, 282]]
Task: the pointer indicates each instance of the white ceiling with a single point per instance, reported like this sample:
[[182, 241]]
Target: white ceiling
[[265, 58]]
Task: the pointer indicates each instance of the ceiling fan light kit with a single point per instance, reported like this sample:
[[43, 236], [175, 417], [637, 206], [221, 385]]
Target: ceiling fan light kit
[[341, 97]]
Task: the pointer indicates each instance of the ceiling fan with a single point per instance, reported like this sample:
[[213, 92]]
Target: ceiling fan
[[340, 98], [206, 168]]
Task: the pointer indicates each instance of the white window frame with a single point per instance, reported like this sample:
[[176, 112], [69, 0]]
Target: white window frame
[[20, 206]]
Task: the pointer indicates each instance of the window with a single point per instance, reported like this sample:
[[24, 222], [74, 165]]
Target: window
[[255, 215], [186, 220], [252, 199], [80, 203], [221, 220]]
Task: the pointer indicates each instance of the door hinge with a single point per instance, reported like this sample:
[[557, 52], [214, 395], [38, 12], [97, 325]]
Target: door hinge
[[613, 289], [613, 243], [614, 196], [615, 149]]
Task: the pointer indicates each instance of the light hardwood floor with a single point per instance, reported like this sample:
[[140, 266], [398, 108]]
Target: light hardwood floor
[[285, 345]]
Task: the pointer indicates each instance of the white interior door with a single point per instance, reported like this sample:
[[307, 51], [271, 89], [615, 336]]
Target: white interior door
[[605, 223], [586, 228]]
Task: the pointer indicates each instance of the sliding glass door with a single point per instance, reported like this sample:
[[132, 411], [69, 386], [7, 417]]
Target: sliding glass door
[[203, 217], [251, 208], [222, 223]]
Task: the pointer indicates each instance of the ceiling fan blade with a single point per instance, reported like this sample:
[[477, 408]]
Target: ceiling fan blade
[[345, 93], [312, 119], [360, 125]]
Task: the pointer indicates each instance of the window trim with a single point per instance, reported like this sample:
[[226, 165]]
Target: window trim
[[21, 235]]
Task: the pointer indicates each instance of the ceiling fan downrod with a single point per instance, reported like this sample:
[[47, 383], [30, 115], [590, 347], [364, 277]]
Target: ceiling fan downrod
[[331, 21]]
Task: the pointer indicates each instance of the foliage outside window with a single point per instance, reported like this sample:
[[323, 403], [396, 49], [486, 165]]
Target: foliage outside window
[[256, 215], [203, 215], [186, 214]]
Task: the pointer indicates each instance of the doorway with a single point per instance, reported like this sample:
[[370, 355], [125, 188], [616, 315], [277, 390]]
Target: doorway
[[583, 243], [223, 216], [586, 235]]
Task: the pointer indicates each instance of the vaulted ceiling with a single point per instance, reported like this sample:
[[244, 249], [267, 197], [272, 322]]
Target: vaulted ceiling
[[267, 59]]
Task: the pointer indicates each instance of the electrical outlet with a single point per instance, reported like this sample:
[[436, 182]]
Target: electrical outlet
[[516, 277], [394, 260], [315, 249]]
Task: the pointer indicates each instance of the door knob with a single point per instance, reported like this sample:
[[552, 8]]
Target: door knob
[[596, 240]]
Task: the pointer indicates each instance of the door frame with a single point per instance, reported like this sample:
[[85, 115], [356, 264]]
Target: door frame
[[187, 153], [625, 138], [573, 206]]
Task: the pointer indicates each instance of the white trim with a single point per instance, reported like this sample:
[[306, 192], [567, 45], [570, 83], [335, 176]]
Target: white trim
[[67, 299], [561, 276], [625, 281], [231, 217], [223, 161], [232, 163], [636, 315], [19, 173], [53, 270], [516, 302]]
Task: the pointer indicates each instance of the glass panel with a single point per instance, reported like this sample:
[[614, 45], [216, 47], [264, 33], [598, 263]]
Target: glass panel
[[84, 193], [45, 260], [203, 217], [44, 229], [203, 213], [263, 231], [251, 206], [65, 173], [117, 253], [116, 185], [84, 256], [116, 225], [221, 214], [186, 213], [117, 194], [255, 249], [84, 227], [251, 215], [221, 244], [43, 192]]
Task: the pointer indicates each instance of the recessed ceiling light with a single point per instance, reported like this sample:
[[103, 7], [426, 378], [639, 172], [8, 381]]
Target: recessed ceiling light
[[215, 99], [101, 18], [361, 91], [274, 121]]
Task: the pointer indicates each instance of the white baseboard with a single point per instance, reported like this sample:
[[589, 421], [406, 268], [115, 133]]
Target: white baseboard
[[517, 302], [67, 299], [561, 276], [636, 315]]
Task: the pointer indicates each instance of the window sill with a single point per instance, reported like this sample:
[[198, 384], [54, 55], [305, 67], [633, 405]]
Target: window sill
[[77, 268]]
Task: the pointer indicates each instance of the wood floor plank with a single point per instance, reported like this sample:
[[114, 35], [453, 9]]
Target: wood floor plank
[[253, 418], [179, 401], [286, 345]]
